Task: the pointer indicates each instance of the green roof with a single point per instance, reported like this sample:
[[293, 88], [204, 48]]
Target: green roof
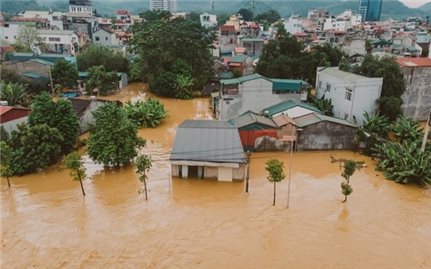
[[23, 57], [288, 84], [36, 76], [314, 118], [238, 58], [241, 79], [288, 104], [252, 40], [42, 61]]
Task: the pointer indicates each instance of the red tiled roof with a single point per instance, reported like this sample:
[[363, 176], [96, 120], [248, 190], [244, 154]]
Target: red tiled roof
[[9, 113], [414, 62], [29, 19], [4, 109], [122, 12], [227, 28]]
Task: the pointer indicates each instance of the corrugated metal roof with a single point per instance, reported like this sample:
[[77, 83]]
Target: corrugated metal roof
[[250, 118], [282, 120], [238, 58], [252, 40], [287, 84], [208, 141], [241, 79], [288, 104], [55, 32], [314, 118], [334, 71]]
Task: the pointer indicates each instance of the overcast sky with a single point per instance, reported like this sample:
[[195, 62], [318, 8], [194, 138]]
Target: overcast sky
[[414, 3]]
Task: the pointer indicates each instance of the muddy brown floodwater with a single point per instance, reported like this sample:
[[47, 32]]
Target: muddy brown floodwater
[[46, 223]]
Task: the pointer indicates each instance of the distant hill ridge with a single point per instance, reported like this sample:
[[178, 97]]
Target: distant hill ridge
[[391, 9]]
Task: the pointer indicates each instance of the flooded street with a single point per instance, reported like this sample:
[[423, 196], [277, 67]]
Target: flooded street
[[46, 223]]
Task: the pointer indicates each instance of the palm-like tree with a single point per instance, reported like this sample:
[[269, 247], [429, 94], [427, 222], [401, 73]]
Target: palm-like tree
[[184, 85], [13, 93]]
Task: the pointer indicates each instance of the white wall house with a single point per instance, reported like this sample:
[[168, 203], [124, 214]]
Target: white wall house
[[351, 95], [208, 20], [255, 93], [55, 18], [337, 24], [293, 25], [60, 41], [106, 38], [9, 31]]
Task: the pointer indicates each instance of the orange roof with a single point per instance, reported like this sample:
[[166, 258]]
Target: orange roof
[[414, 62], [4, 109]]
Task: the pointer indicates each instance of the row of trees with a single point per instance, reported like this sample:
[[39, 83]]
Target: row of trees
[[284, 57], [397, 147], [51, 132], [174, 56], [393, 82]]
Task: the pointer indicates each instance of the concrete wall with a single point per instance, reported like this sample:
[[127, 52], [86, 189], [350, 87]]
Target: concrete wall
[[88, 118], [417, 97], [106, 39], [365, 93], [212, 172], [326, 136], [252, 95], [12, 125]]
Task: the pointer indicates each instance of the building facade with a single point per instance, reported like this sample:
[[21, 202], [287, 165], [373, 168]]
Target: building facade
[[80, 6], [370, 10], [351, 95], [167, 5]]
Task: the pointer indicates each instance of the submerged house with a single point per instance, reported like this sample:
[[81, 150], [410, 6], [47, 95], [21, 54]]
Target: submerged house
[[251, 126], [291, 108], [255, 92], [320, 132], [11, 116], [208, 149]]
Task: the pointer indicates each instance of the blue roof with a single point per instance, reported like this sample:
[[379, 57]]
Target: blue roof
[[23, 57], [36, 76]]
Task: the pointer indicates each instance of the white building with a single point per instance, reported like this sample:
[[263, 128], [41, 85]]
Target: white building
[[55, 18], [293, 25], [351, 95], [106, 38], [334, 24], [60, 41], [168, 5], [355, 19], [80, 6], [9, 31], [208, 20]]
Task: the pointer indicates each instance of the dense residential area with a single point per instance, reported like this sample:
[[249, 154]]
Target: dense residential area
[[162, 137]]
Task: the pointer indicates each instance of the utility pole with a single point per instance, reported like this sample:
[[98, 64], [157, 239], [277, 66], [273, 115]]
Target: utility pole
[[212, 6], [290, 166], [427, 130], [50, 80], [253, 7], [247, 178]]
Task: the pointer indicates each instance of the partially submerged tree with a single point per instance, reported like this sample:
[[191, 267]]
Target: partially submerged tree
[[114, 140], [97, 55], [275, 171], [6, 170], [349, 169], [73, 162], [143, 165], [101, 80], [145, 114]]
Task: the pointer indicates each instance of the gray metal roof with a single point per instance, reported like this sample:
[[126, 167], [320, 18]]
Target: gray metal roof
[[250, 117], [207, 141], [335, 72], [314, 118]]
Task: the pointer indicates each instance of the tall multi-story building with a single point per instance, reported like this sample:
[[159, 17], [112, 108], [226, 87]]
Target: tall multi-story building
[[168, 5], [370, 10], [83, 6]]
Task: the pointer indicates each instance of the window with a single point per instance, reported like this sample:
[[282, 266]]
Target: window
[[6, 37], [54, 39], [346, 116], [97, 38], [44, 38], [106, 38], [328, 87], [348, 94], [319, 86]]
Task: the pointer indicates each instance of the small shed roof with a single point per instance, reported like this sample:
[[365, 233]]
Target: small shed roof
[[335, 72], [250, 117], [314, 118], [207, 141], [289, 104], [282, 120], [414, 62], [238, 58]]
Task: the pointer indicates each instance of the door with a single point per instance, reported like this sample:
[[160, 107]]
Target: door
[[225, 174]]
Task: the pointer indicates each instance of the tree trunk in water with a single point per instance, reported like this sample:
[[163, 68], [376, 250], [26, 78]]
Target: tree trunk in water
[[82, 187], [145, 189], [345, 199], [8, 182], [275, 191]]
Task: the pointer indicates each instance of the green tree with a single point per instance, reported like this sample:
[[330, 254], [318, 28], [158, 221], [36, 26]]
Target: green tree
[[246, 14], [153, 39], [349, 169], [59, 115], [275, 171], [323, 104], [74, 163], [101, 80], [64, 73], [27, 37], [97, 55], [4, 135], [13, 93], [114, 140], [406, 129], [184, 84], [35, 148], [344, 65], [390, 106], [270, 16], [6, 165], [143, 165], [374, 129]]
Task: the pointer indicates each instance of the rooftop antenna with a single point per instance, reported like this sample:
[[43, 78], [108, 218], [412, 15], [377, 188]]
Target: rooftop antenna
[[253, 7], [212, 6]]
